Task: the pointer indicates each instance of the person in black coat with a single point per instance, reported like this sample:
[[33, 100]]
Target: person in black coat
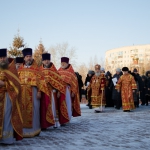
[[143, 90], [136, 93], [108, 90], [138, 81], [87, 81], [147, 88], [80, 84], [88, 77], [116, 96]]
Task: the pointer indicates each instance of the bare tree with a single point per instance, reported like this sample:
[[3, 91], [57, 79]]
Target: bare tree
[[63, 50], [91, 64], [82, 70], [102, 62], [95, 60], [54, 57]]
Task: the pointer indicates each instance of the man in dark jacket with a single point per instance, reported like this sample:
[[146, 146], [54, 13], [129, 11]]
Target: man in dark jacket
[[108, 91], [116, 96], [138, 81], [143, 90], [80, 84], [147, 87], [88, 77]]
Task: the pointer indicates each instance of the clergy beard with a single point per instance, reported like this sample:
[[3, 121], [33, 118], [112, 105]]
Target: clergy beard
[[4, 64], [29, 62], [17, 67], [64, 67], [47, 66], [97, 73]]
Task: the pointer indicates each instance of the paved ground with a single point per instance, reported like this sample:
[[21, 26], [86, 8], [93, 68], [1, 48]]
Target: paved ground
[[111, 130]]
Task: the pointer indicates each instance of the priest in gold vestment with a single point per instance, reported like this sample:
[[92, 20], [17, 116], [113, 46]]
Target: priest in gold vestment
[[56, 98], [11, 122], [72, 92], [127, 85], [96, 89], [32, 83]]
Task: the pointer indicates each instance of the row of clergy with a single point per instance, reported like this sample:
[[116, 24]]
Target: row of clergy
[[33, 98], [126, 88]]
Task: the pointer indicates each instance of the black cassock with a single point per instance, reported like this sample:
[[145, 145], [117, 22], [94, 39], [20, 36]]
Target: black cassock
[[108, 90], [116, 96]]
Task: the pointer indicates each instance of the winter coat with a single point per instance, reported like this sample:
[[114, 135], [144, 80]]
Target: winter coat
[[115, 94]]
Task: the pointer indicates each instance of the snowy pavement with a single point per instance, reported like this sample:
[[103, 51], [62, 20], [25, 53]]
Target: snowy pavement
[[111, 130]]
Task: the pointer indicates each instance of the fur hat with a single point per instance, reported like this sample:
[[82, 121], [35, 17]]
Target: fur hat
[[135, 70], [125, 69]]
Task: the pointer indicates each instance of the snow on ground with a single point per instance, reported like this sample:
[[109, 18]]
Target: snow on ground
[[111, 130]]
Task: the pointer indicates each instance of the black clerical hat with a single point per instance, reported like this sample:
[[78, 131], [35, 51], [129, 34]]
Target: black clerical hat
[[46, 56], [3, 52], [65, 59], [27, 51], [19, 59]]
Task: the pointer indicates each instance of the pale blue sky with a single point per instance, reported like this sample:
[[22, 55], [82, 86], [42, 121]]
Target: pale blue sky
[[91, 26]]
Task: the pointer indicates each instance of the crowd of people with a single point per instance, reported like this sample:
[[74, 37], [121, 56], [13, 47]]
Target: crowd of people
[[34, 98], [126, 89]]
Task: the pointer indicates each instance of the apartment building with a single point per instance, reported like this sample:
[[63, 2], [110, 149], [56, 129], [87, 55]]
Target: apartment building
[[136, 56]]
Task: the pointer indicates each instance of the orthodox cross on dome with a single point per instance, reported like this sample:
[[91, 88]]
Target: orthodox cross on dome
[[18, 31], [135, 60], [40, 40]]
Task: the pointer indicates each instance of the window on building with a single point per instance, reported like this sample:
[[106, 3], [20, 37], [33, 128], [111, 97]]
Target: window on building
[[120, 53], [147, 50], [141, 50]]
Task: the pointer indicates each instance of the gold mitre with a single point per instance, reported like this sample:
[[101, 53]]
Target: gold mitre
[[97, 66]]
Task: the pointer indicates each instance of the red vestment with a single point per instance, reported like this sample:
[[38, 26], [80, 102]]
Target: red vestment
[[54, 81], [32, 77], [96, 90], [127, 84], [11, 79], [70, 78]]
